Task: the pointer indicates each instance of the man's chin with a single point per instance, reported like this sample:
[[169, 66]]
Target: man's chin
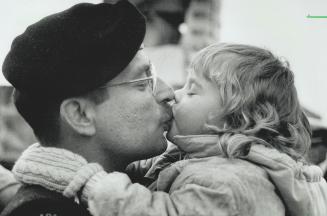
[[162, 146], [170, 134], [164, 143]]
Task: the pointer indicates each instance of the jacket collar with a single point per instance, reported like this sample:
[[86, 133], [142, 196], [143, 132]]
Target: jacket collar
[[198, 146]]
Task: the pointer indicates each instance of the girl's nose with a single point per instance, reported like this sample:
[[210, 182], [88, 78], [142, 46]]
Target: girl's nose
[[178, 95]]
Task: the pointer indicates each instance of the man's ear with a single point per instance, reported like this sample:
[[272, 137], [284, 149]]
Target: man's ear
[[79, 114]]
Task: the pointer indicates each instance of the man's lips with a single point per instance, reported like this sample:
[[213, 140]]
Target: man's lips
[[168, 120], [167, 124]]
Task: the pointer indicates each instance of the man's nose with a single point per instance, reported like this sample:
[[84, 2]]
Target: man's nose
[[163, 93]]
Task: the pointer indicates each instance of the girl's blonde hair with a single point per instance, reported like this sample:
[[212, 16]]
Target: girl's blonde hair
[[259, 102]]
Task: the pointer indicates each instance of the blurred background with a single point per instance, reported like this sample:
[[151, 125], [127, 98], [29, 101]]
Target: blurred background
[[176, 29]]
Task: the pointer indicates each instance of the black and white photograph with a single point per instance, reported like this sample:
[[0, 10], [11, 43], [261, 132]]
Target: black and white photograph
[[163, 108]]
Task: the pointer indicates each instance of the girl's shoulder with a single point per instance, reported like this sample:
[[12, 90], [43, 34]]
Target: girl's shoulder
[[214, 171]]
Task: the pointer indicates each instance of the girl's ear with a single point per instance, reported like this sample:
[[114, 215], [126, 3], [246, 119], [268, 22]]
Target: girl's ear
[[79, 114]]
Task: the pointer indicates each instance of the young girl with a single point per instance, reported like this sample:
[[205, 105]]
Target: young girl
[[242, 136], [239, 122]]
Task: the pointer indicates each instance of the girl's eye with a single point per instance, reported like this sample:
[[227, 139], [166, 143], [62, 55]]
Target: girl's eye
[[190, 93]]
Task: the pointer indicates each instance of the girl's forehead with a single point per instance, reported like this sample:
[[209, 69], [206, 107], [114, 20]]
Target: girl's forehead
[[196, 75], [201, 71]]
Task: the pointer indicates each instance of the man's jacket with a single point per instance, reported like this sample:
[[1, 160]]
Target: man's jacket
[[38, 201]]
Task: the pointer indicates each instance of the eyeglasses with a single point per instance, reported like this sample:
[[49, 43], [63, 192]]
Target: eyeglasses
[[150, 80]]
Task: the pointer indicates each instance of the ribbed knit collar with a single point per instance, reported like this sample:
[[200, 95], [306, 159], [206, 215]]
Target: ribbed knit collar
[[49, 167]]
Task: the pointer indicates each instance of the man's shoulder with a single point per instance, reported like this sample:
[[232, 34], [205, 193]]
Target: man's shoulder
[[38, 201]]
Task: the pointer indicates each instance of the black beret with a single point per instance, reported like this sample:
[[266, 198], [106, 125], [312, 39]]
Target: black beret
[[74, 51]]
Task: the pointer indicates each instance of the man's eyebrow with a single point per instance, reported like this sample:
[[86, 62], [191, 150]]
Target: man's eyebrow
[[142, 70]]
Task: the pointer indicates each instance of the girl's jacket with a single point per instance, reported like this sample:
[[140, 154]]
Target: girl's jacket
[[265, 182]]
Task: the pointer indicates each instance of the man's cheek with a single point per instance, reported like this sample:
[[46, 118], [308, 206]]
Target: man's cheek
[[144, 113]]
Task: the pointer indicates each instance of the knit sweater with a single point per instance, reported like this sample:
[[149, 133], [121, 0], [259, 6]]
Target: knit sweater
[[57, 169]]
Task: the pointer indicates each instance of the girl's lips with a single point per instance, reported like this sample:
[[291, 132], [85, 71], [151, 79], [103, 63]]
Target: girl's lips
[[168, 118]]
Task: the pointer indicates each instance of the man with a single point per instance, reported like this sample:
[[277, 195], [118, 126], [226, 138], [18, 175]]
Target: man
[[88, 91]]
